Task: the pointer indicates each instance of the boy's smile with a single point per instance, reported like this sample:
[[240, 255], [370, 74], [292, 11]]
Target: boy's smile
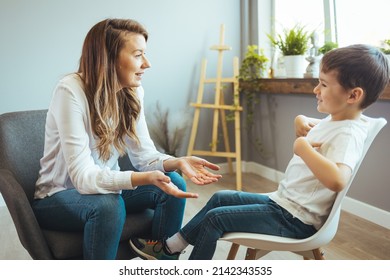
[[332, 98]]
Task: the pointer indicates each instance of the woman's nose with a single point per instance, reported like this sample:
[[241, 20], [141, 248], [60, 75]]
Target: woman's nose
[[146, 63]]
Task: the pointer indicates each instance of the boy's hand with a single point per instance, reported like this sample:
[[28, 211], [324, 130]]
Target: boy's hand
[[303, 125], [302, 144]]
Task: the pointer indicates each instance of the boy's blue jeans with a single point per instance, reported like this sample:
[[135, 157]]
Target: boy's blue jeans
[[102, 216], [229, 211]]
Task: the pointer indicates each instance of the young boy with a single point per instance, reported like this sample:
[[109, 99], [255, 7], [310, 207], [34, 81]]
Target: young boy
[[325, 154]]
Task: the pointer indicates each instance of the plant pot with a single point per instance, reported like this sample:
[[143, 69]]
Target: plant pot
[[295, 66]]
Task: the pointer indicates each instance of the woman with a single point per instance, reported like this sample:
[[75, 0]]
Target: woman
[[96, 115]]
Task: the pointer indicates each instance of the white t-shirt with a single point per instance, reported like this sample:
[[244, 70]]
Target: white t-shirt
[[71, 159], [300, 192]]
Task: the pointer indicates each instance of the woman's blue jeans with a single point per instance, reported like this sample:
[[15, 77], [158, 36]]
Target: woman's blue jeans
[[102, 216], [229, 211]]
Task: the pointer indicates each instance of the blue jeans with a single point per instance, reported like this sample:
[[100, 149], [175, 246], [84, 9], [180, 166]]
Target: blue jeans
[[102, 216], [229, 211]]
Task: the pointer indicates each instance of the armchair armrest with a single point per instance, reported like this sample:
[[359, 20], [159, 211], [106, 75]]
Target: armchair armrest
[[27, 226]]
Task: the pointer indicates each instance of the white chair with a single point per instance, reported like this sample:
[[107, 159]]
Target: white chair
[[262, 244]]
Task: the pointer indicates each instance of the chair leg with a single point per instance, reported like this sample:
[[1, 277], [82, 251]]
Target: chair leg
[[250, 254], [318, 254], [233, 251]]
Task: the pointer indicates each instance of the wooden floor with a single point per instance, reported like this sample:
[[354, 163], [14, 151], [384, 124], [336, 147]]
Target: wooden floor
[[357, 239]]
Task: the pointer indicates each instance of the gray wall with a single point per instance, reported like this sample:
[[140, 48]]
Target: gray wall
[[41, 41], [275, 115]]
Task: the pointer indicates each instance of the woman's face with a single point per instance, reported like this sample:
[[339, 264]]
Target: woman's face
[[132, 61]]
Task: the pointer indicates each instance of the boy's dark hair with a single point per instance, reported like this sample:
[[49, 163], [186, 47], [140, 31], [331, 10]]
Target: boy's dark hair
[[361, 66]]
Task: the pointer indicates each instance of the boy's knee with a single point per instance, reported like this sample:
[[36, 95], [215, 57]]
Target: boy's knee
[[214, 219], [222, 194]]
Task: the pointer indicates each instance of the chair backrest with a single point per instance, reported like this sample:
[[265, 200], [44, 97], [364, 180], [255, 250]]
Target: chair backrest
[[21, 146], [329, 229]]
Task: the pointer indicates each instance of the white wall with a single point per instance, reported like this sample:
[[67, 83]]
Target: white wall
[[41, 40]]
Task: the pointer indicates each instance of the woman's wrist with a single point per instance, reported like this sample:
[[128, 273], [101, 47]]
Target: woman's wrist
[[140, 178], [171, 164]]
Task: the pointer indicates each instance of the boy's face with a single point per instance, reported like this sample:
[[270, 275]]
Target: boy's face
[[332, 97]]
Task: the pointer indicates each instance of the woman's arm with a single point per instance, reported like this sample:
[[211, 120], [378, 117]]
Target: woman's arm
[[87, 173], [143, 155]]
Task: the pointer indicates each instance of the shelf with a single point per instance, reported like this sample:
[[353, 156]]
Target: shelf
[[290, 86]]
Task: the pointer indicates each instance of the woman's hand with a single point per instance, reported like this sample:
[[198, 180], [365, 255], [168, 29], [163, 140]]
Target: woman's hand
[[194, 168], [160, 180]]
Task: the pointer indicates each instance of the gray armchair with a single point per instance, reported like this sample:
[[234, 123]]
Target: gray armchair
[[21, 147]]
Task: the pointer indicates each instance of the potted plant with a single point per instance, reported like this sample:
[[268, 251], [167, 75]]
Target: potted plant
[[252, 67], [293, 43], [167, 133], [386, 48], [254, 64], [327, 47]]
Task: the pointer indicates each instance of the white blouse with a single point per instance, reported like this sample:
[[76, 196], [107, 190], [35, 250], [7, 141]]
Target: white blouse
[[70, 158]]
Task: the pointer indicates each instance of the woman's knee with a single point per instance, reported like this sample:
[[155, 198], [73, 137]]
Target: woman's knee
[[111, 207], [177, 180]]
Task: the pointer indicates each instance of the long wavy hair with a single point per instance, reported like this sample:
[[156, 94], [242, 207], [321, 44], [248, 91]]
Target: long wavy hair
[[113, 109]]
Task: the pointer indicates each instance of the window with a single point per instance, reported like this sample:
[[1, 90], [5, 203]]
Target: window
[[307, 13], [343, 21], [362, 21]]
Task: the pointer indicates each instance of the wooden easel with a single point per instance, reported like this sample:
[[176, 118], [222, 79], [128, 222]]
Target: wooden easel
[[219, 108]]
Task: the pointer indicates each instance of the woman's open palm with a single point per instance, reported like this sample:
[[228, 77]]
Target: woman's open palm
[[195, 169]]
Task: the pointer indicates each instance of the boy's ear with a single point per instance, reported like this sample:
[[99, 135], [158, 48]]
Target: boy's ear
[[356, 95]]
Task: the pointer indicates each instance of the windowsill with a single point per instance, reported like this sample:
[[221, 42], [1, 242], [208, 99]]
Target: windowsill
[[290, 86]]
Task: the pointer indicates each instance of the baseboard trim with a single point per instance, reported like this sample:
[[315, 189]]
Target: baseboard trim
[[350, 205], [366, 211]]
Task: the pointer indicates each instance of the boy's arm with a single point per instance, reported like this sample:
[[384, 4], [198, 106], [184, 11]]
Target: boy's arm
[[303, 125], [332, 175]]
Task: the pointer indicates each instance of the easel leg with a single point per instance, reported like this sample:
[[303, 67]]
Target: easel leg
[[197, 110], [225, 133]]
